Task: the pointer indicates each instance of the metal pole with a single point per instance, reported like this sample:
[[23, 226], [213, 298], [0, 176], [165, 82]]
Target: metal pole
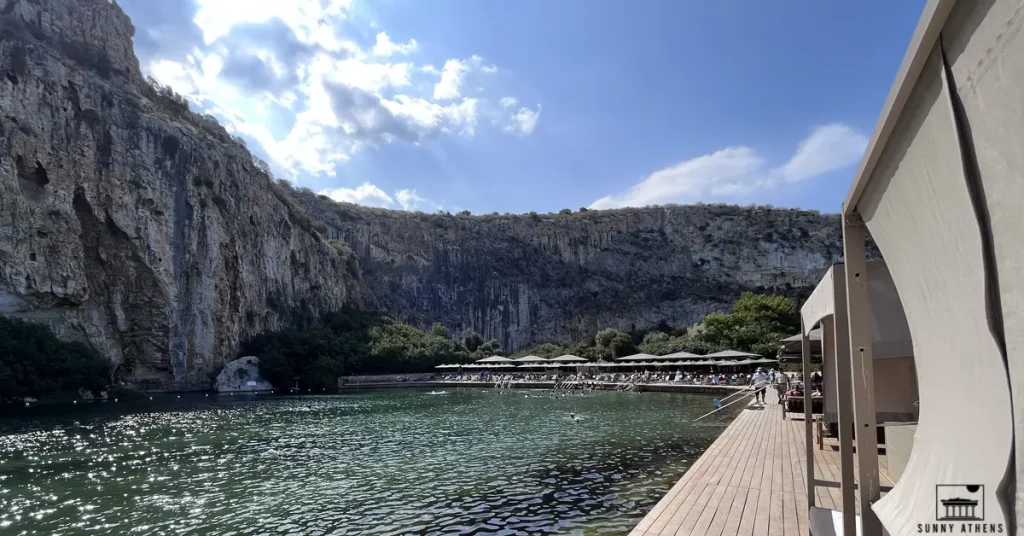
[[863, 371], [805, 354]]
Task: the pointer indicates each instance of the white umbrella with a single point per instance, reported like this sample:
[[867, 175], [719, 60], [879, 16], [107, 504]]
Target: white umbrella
[[494, 359], [731, 354], [681, 355], [637, 357], [568, 358]]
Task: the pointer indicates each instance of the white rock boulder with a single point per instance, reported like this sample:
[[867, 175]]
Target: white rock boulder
[[241, 374]]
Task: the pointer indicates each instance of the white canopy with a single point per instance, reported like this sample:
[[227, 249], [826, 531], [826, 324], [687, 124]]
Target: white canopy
[[731, 354], [494, 359], [569, 358], [889, 330], [814, 335], [637, 357], [940, 190], [680, 355], [531, 359]]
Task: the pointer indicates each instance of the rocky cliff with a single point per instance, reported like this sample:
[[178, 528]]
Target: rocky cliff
[[129, 222], [562, 277]]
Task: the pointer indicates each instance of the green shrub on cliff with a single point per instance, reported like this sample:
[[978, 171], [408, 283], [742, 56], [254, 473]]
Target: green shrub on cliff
[[34, 362]]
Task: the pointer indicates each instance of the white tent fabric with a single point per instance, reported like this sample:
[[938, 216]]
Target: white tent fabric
[[915, 202], [820, 304], [890, 334], [895, 381]]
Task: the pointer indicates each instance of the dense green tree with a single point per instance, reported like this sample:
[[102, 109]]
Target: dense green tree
[[614, 343], [768, 313], [472, 340], [34, 362], [437, 330], [653, 337], [351, 342], [489, 348]]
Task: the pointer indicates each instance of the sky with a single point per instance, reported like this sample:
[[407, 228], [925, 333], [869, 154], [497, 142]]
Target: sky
[[539, 105]]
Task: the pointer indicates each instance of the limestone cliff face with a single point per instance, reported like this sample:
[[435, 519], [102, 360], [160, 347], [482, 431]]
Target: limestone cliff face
[[562, 277], [128, 223]]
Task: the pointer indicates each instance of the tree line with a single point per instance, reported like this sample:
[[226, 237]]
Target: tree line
[[757, 323], [358, 342], [35, 363]]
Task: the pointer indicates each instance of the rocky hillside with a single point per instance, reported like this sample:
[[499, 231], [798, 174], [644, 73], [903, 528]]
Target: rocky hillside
[[129, 222], [562, 277]]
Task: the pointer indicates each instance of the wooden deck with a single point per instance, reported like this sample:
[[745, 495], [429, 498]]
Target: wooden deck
[[750, 482]]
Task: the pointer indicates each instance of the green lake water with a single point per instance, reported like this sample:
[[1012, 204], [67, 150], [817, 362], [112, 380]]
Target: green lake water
[[470, 461]]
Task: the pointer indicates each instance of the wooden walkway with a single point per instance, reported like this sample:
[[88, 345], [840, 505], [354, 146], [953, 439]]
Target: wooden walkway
[[749, 482]]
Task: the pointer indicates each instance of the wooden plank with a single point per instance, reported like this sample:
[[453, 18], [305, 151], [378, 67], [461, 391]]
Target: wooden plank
[[654, 522], [750, 482], [689, 511], [762, 514], [790, 486], [691, 485], [799, 466], [735, 496], [727, 520]]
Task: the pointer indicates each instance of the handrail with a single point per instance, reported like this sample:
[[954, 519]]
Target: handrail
[[720, 408]]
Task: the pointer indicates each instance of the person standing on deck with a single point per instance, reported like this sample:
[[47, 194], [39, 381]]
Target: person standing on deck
[[759, 380]]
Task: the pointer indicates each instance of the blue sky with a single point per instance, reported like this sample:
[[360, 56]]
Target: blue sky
[[538, 105]]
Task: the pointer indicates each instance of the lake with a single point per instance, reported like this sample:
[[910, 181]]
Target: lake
[[471, 461]]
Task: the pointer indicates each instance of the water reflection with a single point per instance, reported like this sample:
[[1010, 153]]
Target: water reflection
[[469, 462]]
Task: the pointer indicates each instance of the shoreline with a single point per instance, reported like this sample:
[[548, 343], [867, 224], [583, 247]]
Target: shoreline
[[355, 388], [652, 387]]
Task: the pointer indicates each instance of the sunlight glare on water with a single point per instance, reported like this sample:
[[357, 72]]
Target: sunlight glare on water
[[399, 462]]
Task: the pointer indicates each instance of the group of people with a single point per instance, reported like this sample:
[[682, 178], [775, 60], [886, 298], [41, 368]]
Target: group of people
[[593, 378], [785, 385], [761, 380]]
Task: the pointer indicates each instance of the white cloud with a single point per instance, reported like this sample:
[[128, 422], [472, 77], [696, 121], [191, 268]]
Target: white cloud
[[828, 148], [304, 89], [370, 195], [520, 121], [450, 84], [365, 194], [311, 20], [739, 173], [409, 200], [386, 47]]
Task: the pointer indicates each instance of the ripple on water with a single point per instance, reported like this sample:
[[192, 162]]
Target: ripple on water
[[469, 462]]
